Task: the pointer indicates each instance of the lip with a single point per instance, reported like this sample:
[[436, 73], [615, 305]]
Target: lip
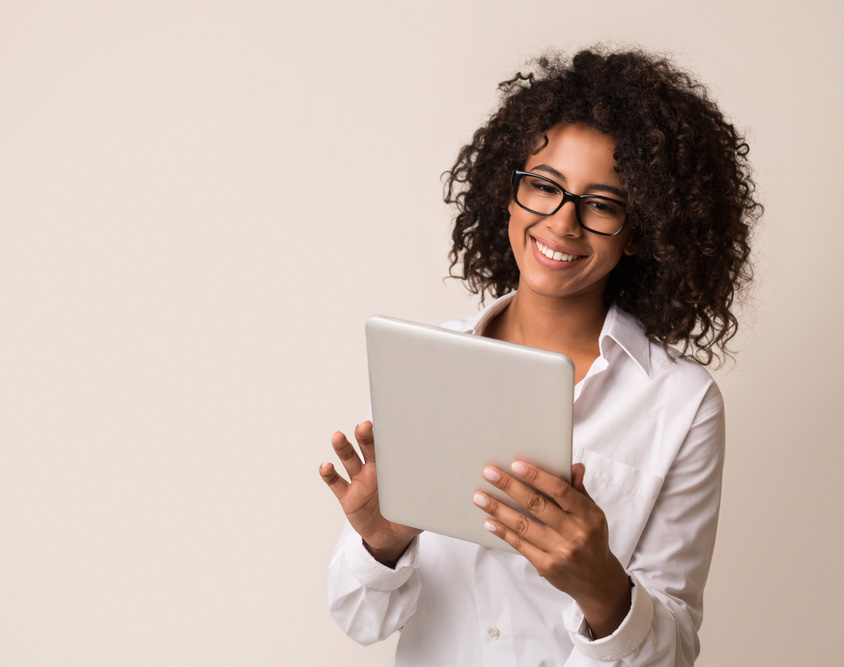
[[556, 247]]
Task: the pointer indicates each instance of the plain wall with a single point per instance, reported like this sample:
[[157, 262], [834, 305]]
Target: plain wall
[[201, 202]]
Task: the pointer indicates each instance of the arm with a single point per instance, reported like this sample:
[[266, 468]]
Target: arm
[[372, 583], [669, 566], [367, 599], [671, 561]]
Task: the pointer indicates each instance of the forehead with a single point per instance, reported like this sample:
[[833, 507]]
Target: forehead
[[578, 151]]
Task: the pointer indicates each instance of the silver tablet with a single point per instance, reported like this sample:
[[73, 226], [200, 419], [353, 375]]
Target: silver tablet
[[444, 405]]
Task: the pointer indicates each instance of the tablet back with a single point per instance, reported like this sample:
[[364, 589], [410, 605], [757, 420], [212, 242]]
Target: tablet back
[[444, 405]]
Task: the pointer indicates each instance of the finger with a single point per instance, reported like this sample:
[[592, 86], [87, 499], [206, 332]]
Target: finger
[[336, 483], [578, 472], [565, 495], [509, 520], [529, 550], [347, 454], [538, 504], [366, 440]]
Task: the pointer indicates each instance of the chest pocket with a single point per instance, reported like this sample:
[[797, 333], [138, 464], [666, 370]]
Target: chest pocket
[[625, 494]]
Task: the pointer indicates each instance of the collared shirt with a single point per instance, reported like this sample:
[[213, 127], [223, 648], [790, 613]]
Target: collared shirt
[[649, 427]]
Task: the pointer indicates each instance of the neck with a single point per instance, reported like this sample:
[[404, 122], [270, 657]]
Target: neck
[[569, 326]]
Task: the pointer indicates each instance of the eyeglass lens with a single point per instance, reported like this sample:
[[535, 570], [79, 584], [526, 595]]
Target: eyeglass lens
[[594, 212]]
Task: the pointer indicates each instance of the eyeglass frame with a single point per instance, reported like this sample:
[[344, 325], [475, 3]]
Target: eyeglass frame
[[567, 197]]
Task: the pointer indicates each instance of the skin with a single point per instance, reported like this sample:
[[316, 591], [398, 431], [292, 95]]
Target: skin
[[358, 497], [558, 306]]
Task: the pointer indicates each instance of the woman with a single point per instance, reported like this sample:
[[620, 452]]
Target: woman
[[607, 206]]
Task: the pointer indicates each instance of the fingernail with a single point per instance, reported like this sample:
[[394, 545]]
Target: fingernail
[[491, 475], [480, 500], [490, 526], [518, 467]]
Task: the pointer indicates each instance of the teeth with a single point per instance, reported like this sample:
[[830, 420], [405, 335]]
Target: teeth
[[550, 254]]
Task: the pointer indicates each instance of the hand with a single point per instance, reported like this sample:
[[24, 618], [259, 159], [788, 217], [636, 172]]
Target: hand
[[358, 497], [565, 537]]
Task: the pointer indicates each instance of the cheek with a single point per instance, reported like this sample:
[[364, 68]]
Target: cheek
[[516, 234], [514, 240], [511, 221], [517, 224]]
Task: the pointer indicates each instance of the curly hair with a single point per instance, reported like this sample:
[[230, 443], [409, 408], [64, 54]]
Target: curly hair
[[690, 194]]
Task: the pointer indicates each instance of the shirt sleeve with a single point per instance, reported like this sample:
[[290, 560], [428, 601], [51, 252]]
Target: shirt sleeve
[[370, 601], [671, 562]]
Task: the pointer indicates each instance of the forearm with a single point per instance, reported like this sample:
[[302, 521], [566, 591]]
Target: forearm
[[669, 569], [658, 631], [607, 608], [368, 600]]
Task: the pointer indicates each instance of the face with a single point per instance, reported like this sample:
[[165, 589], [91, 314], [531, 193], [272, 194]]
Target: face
[[580, 159]]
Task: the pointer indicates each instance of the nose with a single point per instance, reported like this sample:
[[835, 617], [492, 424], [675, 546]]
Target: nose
[[564, 221]]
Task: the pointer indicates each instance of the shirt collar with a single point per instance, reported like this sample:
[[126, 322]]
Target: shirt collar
[[620, 327], [477, 324]]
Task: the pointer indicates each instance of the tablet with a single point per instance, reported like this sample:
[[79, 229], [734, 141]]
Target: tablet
[[446, 404]]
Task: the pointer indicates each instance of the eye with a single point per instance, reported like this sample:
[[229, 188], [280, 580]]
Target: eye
[[604, 207], [544, 188]]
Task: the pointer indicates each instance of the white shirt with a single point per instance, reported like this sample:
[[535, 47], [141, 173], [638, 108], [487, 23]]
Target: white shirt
[[650, 432]]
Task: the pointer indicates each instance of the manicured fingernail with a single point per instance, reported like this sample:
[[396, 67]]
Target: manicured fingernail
[[491, 474], [490, 526], [480, 500], [518, 467]]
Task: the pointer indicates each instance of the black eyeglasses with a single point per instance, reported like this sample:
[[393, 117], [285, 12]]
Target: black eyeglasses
[[542, 196]]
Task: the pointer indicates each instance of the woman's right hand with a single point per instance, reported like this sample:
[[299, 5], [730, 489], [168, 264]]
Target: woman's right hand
[[358, 497]]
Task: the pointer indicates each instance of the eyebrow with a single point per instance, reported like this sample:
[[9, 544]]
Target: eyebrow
[[589, 188]]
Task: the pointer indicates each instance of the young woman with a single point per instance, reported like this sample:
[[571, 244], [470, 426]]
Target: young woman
[[607, 207]]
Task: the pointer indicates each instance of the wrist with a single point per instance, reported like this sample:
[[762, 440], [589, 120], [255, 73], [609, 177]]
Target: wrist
[[390, 554], [606, 610]]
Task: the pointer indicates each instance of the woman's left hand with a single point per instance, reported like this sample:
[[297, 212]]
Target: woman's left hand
[[565, 537]]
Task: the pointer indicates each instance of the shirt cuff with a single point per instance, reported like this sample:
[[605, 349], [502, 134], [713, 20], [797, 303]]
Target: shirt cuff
[[627, 637], [378, 576]]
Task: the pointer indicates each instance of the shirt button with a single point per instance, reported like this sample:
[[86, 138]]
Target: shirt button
[[495, 633]]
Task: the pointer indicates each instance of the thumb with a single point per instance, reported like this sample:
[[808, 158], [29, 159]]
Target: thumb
[[578, 472]]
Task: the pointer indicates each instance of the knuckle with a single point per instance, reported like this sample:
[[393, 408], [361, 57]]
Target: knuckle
[[579, 539], [536, 503], [562, 555], [545, 566], [363, 434], [346, 453], [595, 519], [600, 517], [561, 489], [522, 525]]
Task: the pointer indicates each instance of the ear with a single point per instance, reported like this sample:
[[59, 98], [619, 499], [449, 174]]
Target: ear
[[632, 244]]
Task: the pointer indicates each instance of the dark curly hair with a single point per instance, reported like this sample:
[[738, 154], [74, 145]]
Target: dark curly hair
[[690, 194]]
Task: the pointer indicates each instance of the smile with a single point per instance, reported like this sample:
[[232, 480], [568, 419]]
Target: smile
[[550, 254]]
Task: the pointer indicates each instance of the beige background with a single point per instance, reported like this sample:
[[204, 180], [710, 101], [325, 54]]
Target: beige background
[[200, 203]]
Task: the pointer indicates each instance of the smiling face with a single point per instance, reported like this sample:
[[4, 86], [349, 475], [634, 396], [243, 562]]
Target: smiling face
[[557, 258]]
